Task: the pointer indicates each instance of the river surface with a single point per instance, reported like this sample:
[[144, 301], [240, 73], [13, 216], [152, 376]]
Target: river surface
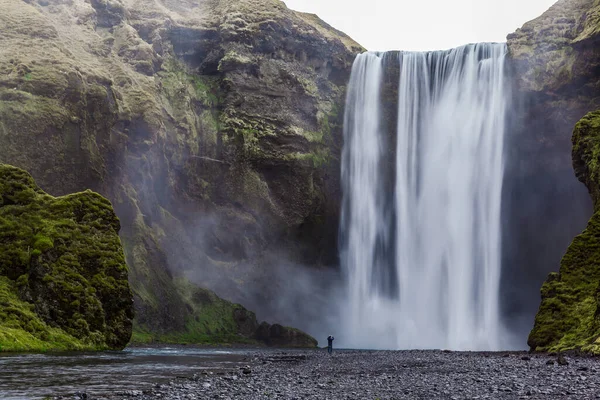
[[34, 376]]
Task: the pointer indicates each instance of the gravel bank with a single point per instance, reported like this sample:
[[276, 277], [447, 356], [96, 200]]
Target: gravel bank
[[388, 375]]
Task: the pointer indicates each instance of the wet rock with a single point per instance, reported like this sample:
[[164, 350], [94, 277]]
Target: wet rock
[[363, 375], [561, 360]]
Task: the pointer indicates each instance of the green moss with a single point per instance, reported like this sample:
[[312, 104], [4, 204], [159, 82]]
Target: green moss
[[586, 146], [181, 85], [568, 317], [194, 101], [210, 321], [21, 329], [317, 159], [66, 254], [232, 60], [21, 111], [246, 131], [310, 87]]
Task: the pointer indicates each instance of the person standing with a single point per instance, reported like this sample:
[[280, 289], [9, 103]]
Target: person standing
[[330, 344]]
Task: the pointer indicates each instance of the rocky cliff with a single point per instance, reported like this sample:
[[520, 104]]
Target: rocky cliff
[[213, 126], [556, 59], [569, 316], [63, 277], [555, 63]]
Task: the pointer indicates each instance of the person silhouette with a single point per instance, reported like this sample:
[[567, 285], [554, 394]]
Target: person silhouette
[[330, 344]]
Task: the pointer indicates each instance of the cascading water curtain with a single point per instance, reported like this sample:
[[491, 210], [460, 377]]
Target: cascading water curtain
[[445, 232]]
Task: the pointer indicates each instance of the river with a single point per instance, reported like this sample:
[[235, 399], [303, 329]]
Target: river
[[35, 376]]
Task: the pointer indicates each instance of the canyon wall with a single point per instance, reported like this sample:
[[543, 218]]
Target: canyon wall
[[556, 62], [213, 126]]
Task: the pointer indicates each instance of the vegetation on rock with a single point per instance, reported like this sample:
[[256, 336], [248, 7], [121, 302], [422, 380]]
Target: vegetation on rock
[[63, 277], [558, 46], [552, 68], [569, 315], [214, 321], [182, 116]]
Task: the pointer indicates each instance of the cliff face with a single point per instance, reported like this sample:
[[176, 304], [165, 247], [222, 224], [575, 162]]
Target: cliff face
[[63, 278], [213, 126], [569, 316], [558, 51], [555, 60]]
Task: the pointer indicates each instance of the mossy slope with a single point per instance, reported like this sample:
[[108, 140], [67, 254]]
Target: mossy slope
[[210, 320], [213, 321], [63, 277], [569, 316]]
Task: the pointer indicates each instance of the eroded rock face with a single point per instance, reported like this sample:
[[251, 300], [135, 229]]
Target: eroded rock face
[[63, 277], [554, 61], [559, 49], [213, 126], [568, 317]]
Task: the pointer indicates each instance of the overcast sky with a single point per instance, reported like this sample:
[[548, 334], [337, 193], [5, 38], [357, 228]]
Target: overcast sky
[[424, 24]]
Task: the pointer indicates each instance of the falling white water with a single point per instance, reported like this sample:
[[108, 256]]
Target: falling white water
[[422, 249]]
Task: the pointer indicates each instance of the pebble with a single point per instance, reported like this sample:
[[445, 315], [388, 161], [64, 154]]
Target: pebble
[[385, 375]]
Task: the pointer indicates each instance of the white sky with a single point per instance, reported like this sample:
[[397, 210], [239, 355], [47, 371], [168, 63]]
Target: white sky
[[424, 24]]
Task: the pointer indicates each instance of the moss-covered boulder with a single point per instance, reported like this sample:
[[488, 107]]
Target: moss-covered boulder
[[63, 277], [569, 315]]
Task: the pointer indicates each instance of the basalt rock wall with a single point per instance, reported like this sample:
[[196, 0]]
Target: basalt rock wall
[[213, 126], [554, 63], [555, 60]]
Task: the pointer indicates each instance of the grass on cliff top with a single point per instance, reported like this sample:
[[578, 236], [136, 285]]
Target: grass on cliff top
[[65, 255]]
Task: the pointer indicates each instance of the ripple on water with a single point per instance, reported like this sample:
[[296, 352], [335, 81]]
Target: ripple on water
[[33, 376]]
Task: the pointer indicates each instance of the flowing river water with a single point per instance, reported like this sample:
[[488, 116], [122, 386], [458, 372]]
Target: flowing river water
[[35, 376]]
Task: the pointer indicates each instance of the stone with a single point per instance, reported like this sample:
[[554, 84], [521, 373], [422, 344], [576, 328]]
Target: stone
[[561, 360]]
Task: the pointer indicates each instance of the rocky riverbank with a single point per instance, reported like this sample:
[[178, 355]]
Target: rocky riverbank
[[387, 375]]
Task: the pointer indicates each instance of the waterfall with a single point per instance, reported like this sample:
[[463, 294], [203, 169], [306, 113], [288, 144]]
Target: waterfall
[[420, 229]]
